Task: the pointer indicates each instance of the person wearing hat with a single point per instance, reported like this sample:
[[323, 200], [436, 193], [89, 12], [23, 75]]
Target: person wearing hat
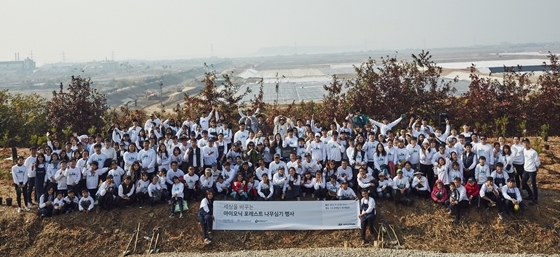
[[401, 186], [317, 149], [345, 192], [530, 167], [420, 186], [439, 193], [276, 164], [512, 197], [309, 165], [490, 196], [206, 180]]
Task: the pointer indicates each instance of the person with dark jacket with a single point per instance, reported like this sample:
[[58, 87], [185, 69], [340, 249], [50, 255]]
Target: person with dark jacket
[[206, 216]]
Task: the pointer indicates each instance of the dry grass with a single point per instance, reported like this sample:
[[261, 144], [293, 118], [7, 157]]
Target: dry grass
[[424, 226]]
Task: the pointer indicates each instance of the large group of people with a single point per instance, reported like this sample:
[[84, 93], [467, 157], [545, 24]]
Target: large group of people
[[174, 162]]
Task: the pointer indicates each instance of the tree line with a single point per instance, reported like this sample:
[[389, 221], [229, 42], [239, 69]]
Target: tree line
[[512, 105]]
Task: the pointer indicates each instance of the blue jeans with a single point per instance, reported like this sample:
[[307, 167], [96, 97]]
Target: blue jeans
[[534, 193]]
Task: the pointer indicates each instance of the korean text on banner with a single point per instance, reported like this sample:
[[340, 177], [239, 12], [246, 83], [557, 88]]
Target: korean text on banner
[[304, 215]]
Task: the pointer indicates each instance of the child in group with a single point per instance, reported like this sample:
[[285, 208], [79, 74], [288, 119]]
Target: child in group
[[481, 171], [345, 193], [117, 172], [457, 199], [155, 191], [142, 194], [222, 187], [162, 179], [86, 203], [58, 204], [177, 197], [46, 202], [71, 202], [367, 214], [206, 216], [439, 193], [239, 190], [473, 190]]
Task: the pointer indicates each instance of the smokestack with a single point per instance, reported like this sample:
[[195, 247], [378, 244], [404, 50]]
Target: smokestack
[[15, 56]]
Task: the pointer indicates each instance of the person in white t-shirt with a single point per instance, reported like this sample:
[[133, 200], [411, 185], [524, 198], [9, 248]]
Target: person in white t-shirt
[[530, 167]]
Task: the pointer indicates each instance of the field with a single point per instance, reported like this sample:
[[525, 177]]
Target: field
[[424, 226]]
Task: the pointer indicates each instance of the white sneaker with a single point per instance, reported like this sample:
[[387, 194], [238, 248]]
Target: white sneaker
[[317, 199], [27, 209], [298, 198], [19, 209], [312, 195], [207, 241], [29, 205]]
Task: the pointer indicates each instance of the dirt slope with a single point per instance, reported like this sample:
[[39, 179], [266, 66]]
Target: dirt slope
[[424, 226]]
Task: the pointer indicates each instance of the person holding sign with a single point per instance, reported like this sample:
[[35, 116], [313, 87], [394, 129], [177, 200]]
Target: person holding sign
[[367, 214]]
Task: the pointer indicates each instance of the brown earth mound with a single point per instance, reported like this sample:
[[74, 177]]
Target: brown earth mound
[[424, 226]]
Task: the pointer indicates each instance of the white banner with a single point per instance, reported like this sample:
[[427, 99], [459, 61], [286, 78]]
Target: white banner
[[280, 215]]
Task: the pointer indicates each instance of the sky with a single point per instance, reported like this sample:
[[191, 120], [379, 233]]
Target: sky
[[183, 29]]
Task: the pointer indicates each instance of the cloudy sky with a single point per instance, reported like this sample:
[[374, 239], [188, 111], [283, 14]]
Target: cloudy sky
[[176, 29]]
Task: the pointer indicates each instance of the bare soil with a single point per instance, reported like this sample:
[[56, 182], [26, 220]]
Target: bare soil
[[424, 226]]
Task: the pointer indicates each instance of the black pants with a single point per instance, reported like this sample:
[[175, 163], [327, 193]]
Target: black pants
[[46, 211], [457, 207], [519, 176], [485, 203], [106, 201], [30, 187], [191, 194], [321, 193], [277, 192], [367, 223], [428, 170], [422, 193], [121, 202], [22, 191], [533, 193], [142, 198]]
